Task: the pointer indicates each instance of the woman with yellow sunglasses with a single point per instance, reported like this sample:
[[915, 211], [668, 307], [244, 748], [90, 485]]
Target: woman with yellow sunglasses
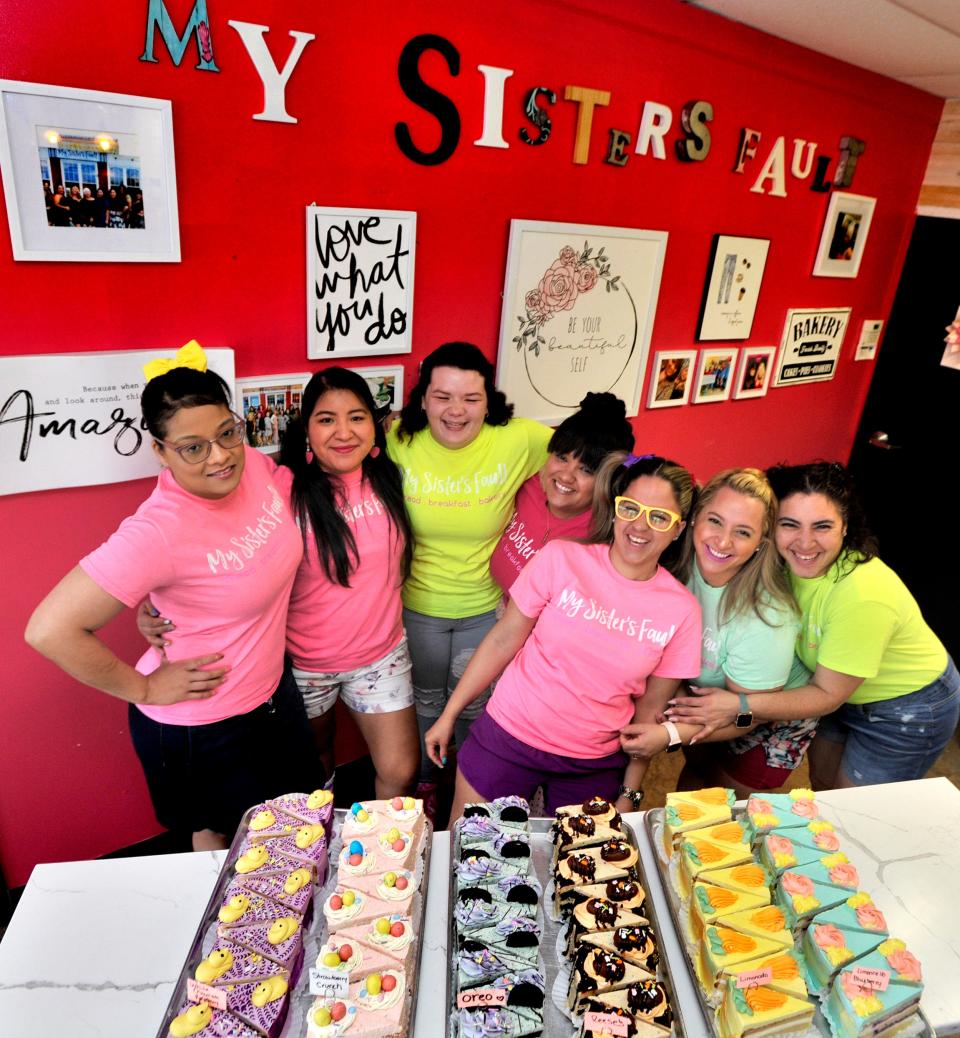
[[595, 635]]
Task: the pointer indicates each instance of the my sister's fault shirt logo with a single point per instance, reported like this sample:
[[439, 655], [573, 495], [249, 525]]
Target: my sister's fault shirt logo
[[415, 484], [242, 547], [576, 606]]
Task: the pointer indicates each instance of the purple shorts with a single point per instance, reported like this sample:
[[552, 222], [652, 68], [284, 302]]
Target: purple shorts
[[496, 765]]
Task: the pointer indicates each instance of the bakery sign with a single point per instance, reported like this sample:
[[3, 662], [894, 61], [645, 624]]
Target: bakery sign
[[811, 344]]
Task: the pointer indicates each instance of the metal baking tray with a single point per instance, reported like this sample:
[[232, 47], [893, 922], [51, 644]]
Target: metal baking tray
[[556, 1023], [705, 1025], [300, 998]]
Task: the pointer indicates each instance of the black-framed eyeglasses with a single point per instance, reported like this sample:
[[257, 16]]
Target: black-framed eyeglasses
[[198, 451]]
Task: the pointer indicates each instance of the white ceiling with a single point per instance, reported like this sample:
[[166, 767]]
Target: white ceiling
[[914, 41]]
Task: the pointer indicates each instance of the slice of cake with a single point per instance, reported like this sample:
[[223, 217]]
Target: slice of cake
[[594, 914], [485, 870], [857, 1008], [314, 808], [396, 887], [892, 955], [858, 912], [280, 940], [510, 890], [359, 858], [722, 948], [646, 1001], [292, 889], [330, 1017], [391, 934], [695, 810], [352, 958], [348, 906], [596, 971], [780, 850], [826, 948], [262, 1006], [511, 811], [752, 1012], [614, 859], [833, 870], [749, 877], [382, 1005], [261, 859], [634, 943], [476, 968], [767, 811], [200, 1019], [572, 832], [229, 963], [768, 922], [476, 914], [600, 810], [782, 972], [306, 845], [697, 856], [517, 937], [801, 898], [710, 904], [499, 1022], [397, 848], [241, 907], [266, 824]]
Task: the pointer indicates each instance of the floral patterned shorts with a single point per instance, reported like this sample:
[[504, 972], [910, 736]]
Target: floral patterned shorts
[[379, 688]]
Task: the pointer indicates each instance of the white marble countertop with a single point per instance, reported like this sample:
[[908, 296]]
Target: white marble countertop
[[95, 947]]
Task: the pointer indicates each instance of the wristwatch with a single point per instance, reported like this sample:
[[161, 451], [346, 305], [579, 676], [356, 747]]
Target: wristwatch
[[635, 796], [674, 734], [745, 717]]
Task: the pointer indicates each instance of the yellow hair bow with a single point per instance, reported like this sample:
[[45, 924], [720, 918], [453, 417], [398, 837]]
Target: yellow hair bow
[[189, 356]]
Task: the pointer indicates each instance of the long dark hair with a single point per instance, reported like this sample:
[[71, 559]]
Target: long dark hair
[[315, 493], [467, 357], [832, 480], [168, 393]]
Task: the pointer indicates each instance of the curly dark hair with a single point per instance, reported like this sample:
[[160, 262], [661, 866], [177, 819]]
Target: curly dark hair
[[832, 480], [168, 393], [590, 434], [467, 357]]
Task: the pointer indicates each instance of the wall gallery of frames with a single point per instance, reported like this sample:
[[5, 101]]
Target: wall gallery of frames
[[601, 194]]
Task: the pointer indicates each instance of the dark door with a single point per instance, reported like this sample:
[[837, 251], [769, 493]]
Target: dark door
[[910, 482]]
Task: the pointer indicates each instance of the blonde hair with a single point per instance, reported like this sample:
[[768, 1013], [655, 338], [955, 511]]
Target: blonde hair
[[760, 585]]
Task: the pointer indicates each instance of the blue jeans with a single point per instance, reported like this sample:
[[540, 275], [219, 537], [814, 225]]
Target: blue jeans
[[899, 739]]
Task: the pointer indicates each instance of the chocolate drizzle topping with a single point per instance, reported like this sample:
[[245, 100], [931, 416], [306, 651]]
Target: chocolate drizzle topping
[[605, 912], [582, 865], [615, 850], [648, 997], [636, 939], [622, 890], [596, 806], [608, 965], [584, 825]]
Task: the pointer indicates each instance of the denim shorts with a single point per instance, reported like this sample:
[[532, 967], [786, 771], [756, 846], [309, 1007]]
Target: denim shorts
[[895, 740], [497, 764]]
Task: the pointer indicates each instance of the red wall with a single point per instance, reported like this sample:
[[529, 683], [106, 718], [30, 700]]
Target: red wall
[[69, 784]]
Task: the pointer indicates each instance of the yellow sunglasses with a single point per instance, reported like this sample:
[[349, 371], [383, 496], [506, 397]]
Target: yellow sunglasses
[[660, 519]]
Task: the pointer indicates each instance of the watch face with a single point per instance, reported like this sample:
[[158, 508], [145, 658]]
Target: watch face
[[743, 720]]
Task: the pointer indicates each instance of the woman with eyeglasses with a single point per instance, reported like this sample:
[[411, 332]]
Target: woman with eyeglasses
[[595, 635], [884, 687], [216, 722]]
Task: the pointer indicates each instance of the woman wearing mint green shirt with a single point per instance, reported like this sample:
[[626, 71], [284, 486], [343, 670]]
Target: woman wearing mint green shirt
[[886, 690], [750, 625]]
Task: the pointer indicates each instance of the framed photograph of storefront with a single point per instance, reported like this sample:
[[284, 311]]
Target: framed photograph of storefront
[[671, 378], [844, 236], [360, 266], [715, 375], [88, 176], [735, 272], [578, 308], [386, 385], [754, 372], [811, 345]]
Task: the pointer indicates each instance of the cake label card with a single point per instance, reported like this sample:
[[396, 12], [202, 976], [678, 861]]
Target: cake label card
[[868, 977], [328, 983], [607, 1023], [197, 992], [752, 978], [482, 997]]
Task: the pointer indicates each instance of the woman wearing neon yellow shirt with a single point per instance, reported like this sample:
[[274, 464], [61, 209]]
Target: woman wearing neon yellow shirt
[[885, 688], [462, 457]]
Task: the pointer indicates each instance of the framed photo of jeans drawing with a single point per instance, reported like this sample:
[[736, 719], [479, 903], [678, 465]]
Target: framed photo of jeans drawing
[[578, 308], [734, 274]]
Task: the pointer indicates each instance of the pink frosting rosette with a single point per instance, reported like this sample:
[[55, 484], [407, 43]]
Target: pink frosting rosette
[[871, 918], [906, 964], [805, 809], [845, 875], [794, 883], [779, 845], [827, 842], [759, 806], [828, 936]]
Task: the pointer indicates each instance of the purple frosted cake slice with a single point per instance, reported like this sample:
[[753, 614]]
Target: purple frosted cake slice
[[314, 808], [280, 940], [304, 844], [267, 824], [201, 1020], [292, 889], [262, 1005], [230, 963], [242, 907]]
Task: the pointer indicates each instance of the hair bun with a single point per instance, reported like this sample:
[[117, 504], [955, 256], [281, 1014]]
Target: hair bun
[[607, 405]]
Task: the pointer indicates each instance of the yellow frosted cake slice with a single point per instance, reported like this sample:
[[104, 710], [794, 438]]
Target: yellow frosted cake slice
[[749, 877], [722, 947], [760, 1012], [697, 855], [767, 922], [708, 904], [781, 972], [694, 810]]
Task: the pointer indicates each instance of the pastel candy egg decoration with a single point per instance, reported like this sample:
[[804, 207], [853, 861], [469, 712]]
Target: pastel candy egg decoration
[[388, 983], [390, 879], [338, 1011], [382, 925], [349, 897], [356, 847], [323, 1017], [374, 984]]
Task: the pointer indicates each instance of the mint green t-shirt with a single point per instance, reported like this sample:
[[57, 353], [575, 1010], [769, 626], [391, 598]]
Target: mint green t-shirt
[[459, 502], [744, 649], [867, 624]]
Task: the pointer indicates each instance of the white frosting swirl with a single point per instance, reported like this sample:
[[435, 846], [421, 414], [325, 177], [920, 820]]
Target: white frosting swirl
[[387, 940], [367, 864], [393, 893], [353, 827], [336, 1027], [332, 945], [386, 999], [386, 845], [342, 915]]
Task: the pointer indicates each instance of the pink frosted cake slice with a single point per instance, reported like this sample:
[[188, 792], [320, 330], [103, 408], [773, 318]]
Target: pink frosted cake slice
[[359, 858], [399, 849], [314, 808], [241, 907], [391, 934], [201, 1020], [372, 817], [383, 1005], [281, 940], [330, 1017], [352, 957], [291, 889], [350, 906], [262, 1006], [396, 887], [230, 963]]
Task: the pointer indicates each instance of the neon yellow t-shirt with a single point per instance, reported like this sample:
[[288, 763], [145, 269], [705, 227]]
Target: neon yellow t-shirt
[[459, 502], [867, 624]]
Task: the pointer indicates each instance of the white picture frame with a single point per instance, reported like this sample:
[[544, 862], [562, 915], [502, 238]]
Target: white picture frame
[[360, 272], [268, 390], [844, 235], [715, 373], [386, 385], [735, 273], [99, 137], [810, 347], [671, 378], [754, 372], [579, 303]]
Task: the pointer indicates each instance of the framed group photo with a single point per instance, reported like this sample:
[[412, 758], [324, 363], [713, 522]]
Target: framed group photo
[[754, 372], [671, 378], [734, 274], [88, 176], [714, 379], [268, 403], [844, 236]]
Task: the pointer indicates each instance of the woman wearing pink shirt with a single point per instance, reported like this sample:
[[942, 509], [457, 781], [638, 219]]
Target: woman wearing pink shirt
[[594, 636], [217, 723]]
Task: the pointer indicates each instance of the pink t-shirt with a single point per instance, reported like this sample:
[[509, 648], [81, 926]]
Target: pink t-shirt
[[334, 628], [222, 571], [531, 527], [571, 688]]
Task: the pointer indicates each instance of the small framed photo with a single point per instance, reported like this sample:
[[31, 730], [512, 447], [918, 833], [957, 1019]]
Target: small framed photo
[[844, 236], [869, 338], [88, 176], [672, 378], [734, 274], [754, 373], [268, 403], [386, 385], [715, 376]]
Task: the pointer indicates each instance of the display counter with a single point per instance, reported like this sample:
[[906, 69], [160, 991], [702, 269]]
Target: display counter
[[94, 947]]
